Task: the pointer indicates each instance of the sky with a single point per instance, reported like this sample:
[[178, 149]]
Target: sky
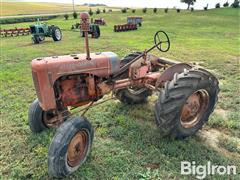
[[199, 4]]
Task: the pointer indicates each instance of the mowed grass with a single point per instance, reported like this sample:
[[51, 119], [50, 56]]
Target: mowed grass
[[23, 8], [127, 144]]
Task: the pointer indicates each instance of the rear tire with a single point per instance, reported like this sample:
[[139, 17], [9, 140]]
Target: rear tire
[[35, 117], [131, 96], [186, 102], [70, 147], [56, 33], [97, 33], [82, 34]]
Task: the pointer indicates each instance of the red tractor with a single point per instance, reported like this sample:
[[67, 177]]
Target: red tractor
[[187, 97]]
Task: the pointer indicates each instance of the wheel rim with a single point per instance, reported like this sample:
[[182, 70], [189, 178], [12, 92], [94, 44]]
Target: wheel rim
[[194, 108], [41, 38], [49, 119], [58, 34], [77, 148]]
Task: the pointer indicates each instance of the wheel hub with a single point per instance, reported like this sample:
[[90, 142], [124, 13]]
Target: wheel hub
[[194, 108], [77, 148], [58, 34]]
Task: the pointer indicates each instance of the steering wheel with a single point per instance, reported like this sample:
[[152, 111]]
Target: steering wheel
[[161, 38]]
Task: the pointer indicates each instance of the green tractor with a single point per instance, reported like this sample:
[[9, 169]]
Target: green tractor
[[94, 31], [40, 30]]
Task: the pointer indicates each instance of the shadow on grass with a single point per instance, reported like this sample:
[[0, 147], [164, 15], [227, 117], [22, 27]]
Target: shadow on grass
[[127, 143]]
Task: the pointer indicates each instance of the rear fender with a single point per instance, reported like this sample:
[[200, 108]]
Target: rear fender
[[168, 74]]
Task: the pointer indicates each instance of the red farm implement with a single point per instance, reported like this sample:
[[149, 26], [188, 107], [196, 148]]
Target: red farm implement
[[100, 21], [125, 27], [15, 32]]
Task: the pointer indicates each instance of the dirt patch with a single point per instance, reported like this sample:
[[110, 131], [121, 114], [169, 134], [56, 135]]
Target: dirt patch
[[223, 113], [153, 165], [211, 138]]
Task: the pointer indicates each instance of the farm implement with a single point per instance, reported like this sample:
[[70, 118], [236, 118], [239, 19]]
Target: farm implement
[[187, 95], [14, 32], [40, 30], [132, 24], [100, 21], [135, 20], [125, 27]]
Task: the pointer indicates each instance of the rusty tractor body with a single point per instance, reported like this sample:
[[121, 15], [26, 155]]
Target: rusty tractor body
[[187, 95]]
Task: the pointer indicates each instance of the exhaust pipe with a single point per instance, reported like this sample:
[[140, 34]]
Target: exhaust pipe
[[85, 27]]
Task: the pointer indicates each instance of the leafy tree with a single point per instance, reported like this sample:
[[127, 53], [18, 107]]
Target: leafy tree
[[217, 5], [144, 10], [133, 10], [192, 9], [104, 10], [205, 8], [124, 10], [235, 4], [178, 10], [75, 15], [90, 12], [98, 11], [166, 10], [155, 10], [66, 16], [226, 4], [188, 2]]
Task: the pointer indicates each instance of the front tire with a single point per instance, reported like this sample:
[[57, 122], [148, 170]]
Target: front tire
[[35, 117], [70, 147], [35, 39], [97, 33], [186, 102]]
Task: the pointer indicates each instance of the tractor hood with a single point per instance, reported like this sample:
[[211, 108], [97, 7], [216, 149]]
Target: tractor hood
[[101, 64], [47, 70]]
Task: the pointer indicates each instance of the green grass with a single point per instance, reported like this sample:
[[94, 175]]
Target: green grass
[[127, 144]]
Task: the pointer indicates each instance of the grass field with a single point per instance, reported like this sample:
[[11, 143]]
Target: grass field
[[127, 144], [23, 8]]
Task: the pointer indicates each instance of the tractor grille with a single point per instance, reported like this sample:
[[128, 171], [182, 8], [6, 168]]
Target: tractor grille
[[41, 30], [36, 84]]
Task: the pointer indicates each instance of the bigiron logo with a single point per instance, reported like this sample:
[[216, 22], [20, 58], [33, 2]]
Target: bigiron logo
[[201, 171]]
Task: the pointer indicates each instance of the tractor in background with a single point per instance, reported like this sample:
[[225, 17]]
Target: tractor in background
[[132, 24], [41, 30], [94, 30]]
